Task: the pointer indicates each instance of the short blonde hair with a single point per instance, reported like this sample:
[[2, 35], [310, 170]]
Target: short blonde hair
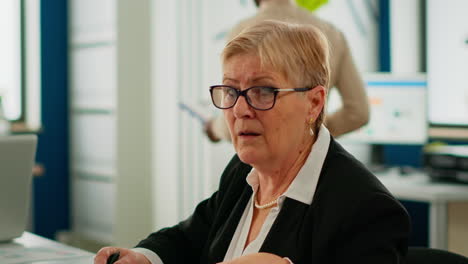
[[299, 52]]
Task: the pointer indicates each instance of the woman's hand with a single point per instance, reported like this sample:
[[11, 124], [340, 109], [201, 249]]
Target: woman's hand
[[258, 258], [127, 256]]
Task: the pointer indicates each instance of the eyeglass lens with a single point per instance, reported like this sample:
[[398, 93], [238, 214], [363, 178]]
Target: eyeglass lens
[[257, 97]]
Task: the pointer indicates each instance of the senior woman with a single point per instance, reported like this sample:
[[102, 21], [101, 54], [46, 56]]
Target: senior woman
[[291, 194]]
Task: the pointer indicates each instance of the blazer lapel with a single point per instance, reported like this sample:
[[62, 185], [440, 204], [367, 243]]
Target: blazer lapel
[[285, 234], [225, 233]]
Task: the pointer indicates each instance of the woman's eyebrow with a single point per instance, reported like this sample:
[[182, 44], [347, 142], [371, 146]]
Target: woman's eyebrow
[[263, 78], [256, 79], [230, 80], [267, 80]]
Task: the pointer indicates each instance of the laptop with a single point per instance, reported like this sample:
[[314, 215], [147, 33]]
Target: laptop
[[17, 155]]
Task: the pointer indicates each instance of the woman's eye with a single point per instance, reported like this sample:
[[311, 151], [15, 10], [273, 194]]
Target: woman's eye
[[264, 92], [230, 93]]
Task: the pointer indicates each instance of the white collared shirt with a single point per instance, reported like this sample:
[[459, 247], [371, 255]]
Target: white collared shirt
[[302, 189]]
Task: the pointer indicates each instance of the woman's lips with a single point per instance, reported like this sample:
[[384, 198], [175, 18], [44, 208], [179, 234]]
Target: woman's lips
[[248, 133], [247, 136]]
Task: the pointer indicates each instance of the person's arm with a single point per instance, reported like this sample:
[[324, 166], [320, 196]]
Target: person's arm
[[376, 232], [354, 112]]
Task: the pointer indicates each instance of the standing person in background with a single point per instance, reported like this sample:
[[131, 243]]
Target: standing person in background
[[354, 112]]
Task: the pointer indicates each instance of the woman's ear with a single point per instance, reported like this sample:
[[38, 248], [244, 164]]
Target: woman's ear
[[316, 98]]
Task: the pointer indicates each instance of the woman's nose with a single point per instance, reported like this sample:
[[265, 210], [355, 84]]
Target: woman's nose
[[242, 109]]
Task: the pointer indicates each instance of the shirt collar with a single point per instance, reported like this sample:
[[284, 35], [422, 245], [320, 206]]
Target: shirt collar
[[304, 184]]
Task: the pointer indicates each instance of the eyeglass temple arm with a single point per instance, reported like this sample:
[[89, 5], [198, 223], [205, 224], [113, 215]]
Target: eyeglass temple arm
[[294, 90]]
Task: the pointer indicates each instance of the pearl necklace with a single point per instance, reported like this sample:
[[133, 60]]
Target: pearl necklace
[[264, 206]]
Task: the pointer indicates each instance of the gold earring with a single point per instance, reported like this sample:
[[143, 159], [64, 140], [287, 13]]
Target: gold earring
[[311, 124]]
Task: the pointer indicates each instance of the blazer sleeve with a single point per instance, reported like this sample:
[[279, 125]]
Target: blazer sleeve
[[376, 232], [184, 242]]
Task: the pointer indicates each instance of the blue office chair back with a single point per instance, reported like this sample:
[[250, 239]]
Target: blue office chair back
[[419, 255]]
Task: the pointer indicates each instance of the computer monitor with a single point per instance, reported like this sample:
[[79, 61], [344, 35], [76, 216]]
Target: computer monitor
[[397, 110], [447, 54], [17, 154]]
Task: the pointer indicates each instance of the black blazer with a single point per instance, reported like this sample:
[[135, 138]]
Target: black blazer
[[352, 219]]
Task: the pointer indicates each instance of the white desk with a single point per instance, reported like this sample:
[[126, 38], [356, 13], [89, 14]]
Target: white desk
[[418, 187], [30, 248]]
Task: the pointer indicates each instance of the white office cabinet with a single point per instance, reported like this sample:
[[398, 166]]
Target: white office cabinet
[[93, 144], [109, 118], [92, 208], [92, 21], [94, 77]]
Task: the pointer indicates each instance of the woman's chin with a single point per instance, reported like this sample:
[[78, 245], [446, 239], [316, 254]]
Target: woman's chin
[[248, 156]]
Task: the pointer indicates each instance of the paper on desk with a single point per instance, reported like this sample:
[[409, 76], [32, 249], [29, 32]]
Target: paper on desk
[[197, 111], [19, 255]]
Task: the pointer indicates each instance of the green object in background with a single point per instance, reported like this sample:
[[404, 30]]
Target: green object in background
[[311, 5]]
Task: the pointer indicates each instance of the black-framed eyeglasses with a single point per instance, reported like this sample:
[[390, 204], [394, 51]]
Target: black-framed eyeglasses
[[258, 97]]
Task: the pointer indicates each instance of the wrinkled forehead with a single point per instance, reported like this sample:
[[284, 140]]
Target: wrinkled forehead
[[248, 66], [247, 69]]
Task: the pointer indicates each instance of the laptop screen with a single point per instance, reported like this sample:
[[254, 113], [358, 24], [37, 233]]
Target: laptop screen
[[17, 154]]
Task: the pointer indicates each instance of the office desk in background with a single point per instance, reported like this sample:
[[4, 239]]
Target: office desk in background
[[30, 248], [448, 206]]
